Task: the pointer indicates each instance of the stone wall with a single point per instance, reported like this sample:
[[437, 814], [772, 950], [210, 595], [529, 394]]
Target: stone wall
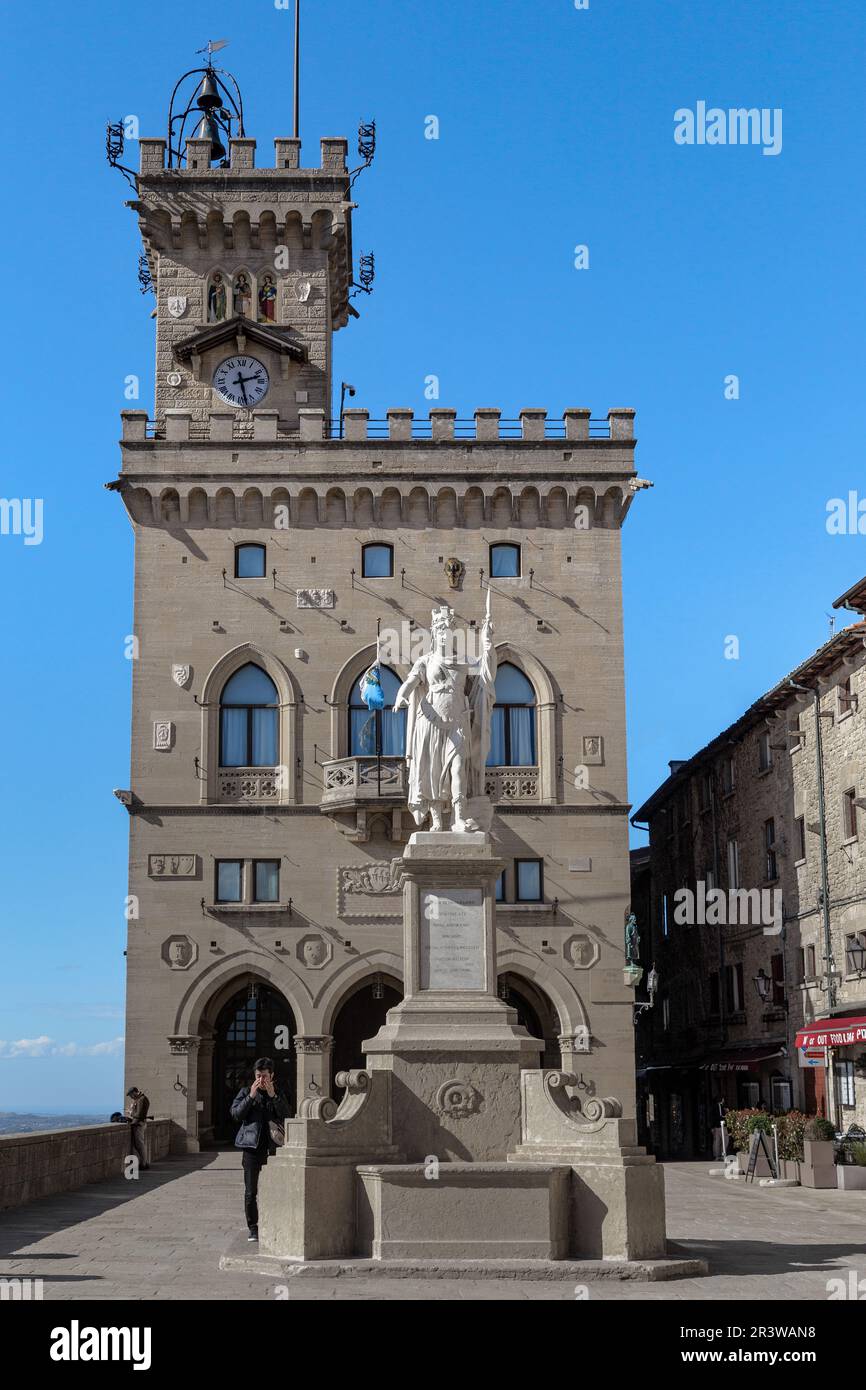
[[58, 1160]]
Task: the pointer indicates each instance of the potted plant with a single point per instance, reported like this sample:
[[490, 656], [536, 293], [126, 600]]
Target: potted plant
[[851, 1176], [819, 1167], [791, 1129]]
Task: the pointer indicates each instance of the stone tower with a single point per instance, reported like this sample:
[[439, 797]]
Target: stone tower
[[267, 804]]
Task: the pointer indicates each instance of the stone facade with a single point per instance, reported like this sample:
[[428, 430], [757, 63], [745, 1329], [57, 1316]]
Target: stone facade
[[748, 813], [198, 481]]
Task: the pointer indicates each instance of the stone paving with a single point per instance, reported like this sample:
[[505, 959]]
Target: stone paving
[[162, 1236]]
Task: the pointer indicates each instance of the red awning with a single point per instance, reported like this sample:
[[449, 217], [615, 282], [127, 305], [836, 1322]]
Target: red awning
[[740, 1059], [833, 1032]]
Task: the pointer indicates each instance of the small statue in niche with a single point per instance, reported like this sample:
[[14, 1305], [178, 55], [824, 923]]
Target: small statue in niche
[[243, 296], [268, 300], [632, 940], [216, 299]]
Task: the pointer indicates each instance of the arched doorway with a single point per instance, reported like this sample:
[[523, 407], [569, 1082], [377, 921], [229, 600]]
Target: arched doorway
[[535, 1013], [255, 1022], [359, 1017]]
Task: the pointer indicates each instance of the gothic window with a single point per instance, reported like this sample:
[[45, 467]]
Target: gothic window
[[217, 298], [512, 734], [248, 719], [242, 294], [377, 561], [250, 561], [377, 731], [504, 561]]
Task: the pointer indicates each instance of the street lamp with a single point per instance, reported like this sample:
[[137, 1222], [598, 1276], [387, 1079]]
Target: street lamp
[[857, 955], [763, 985]]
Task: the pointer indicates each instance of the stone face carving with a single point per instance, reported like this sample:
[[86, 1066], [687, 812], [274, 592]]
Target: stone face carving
[[581, 951], [457, 1100], [163, 735], [454, 571], [181, 675], [315, 598], [179, 952], [314, 952], [172, 865], [450, 701]]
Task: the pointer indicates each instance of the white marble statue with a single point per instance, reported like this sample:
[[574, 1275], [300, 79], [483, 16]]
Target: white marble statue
[[448, 726]]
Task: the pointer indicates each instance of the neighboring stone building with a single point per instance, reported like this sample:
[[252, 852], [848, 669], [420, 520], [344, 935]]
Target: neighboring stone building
[[749, 812], [266, 802]]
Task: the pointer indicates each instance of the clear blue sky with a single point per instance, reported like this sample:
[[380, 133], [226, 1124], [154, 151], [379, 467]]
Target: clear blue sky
[[556, 128]]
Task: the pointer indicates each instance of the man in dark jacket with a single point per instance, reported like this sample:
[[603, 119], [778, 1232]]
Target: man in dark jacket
[[137, 1106], [255, 1107]]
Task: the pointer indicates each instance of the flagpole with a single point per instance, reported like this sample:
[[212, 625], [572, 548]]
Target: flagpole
[[297, 66]]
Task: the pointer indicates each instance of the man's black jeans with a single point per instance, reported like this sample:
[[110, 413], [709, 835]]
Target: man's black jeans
[[254, 1162]]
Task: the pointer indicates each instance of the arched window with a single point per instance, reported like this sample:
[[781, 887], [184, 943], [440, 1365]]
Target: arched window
[[505, 561], [377, 731], [249, 562], [377, 561], [512, 735], [248, 719]]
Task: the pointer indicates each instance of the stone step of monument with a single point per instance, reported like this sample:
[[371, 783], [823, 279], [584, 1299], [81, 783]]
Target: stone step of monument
[[239, 1258]]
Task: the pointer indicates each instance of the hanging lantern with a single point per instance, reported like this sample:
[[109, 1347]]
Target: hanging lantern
[[378, 988]]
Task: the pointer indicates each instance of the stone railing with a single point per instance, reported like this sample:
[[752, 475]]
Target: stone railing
[[398, 426], [58, 1160], [511, 783], [347, 781], [248, 784]]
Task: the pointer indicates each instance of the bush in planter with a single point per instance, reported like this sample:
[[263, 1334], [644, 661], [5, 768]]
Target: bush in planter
[[737, 1125], [819, 1130], [791, 1130], [759, 1120], [858, 1153]]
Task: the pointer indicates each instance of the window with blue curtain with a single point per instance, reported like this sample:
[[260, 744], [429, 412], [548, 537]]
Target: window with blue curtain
[[505, 561], [266, 881], [249, 719], [377, 731], [377, 561], [528, 880], [512, 733], [249, 562], [229, 880]]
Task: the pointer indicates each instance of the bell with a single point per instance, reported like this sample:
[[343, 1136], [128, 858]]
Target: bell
[[209, 130], [208, 97]]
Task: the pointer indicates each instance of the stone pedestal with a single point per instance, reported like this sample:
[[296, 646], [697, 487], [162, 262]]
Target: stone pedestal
[[454, 1050]]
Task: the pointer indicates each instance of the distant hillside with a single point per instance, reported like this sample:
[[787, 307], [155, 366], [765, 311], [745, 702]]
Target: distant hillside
[[10, 1123]]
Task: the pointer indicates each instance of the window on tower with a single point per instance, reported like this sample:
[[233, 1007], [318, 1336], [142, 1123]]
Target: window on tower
[[377, 561], [505, 561], [250, 561], [248, 719]]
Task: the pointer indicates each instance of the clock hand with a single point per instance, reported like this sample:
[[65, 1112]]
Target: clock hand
[[239, 381]]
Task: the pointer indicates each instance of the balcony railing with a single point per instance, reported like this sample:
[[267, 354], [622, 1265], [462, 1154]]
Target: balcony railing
[[248, 784], [511, 783], [348, 781], [356, 426]]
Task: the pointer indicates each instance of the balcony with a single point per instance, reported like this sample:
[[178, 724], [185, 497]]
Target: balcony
[[512, 783], [350, 782], [248, 784]]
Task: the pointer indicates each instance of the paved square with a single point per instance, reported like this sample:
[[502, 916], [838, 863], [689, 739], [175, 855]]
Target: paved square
[[162, 1237]]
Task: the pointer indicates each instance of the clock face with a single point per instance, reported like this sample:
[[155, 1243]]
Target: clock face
[[241, 380]]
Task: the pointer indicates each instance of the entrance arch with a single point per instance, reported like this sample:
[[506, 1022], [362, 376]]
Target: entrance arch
[[256, 1021], [360, 1016], [535, 1013]]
